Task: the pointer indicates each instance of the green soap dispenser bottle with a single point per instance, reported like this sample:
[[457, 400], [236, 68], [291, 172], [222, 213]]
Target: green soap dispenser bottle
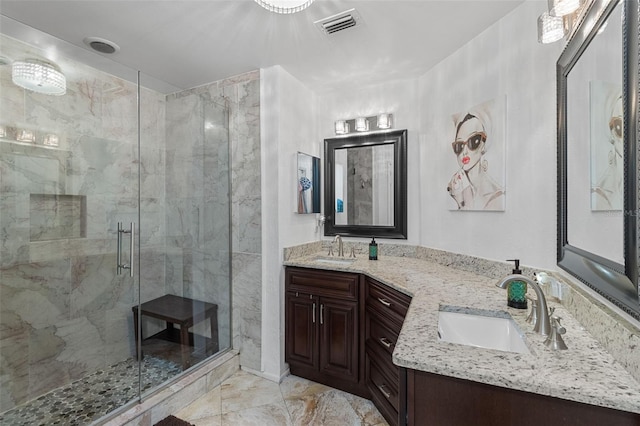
[[517, 290], [373, 249]]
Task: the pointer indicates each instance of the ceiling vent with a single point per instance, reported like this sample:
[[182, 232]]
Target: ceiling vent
[[339, 22]]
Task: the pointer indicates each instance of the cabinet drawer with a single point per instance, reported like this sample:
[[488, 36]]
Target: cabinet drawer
[[380, 384], [387, 301], [322, 283], [381, 333]]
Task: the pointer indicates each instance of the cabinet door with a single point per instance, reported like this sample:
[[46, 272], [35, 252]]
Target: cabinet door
[[301, 329], [339, 338]]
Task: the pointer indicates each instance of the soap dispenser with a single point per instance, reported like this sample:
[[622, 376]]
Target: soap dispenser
[[517, 290], [373, 249]]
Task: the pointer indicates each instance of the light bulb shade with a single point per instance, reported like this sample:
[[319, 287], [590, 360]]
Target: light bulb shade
[[550, 28], [563, 7], [284, 6], [38, 76], [384, 121], [341, 127], [362, 125]]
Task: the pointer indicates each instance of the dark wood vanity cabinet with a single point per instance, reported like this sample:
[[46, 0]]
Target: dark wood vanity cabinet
[[385, 309], [440, 400], [322, 326]]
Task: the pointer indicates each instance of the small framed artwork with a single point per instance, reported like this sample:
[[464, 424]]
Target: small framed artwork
[[308, 184], [478, 148]]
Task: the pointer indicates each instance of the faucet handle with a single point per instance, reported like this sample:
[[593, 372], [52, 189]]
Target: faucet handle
[[554, 341], [330, 251]]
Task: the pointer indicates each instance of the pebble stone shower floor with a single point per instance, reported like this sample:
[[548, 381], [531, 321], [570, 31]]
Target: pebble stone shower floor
[[91, 397]]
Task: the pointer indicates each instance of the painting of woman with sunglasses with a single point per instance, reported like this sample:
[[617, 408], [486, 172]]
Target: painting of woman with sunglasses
[[472, 187]]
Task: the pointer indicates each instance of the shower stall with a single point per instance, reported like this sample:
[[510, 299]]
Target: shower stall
[[115, 239]]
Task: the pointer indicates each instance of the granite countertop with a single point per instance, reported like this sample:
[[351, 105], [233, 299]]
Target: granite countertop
[[585, 372]]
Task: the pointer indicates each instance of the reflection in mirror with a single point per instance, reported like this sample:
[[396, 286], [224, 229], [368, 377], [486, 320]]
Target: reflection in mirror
[[366, 185], [307, 184], [594, 145], [597, 158]]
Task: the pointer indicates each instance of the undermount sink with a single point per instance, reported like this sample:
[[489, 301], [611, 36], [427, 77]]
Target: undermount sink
[[487, 329], [335, 261]]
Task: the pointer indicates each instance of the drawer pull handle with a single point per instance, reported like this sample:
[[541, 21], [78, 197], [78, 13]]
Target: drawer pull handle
[[385, 342], [385, 302], [385, 392], [313, 314]]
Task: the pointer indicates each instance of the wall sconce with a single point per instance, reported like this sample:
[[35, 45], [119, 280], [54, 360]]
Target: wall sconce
[[364, 124]]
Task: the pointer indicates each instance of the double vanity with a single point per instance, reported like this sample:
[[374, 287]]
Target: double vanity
[[385, 329]]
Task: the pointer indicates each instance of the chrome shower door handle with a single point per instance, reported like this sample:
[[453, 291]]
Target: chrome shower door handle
[[119, 250], [120, 265], [132, 230]]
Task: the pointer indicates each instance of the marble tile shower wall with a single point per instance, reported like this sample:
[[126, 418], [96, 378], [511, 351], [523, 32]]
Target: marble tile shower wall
[[241, 94], [64, 313]]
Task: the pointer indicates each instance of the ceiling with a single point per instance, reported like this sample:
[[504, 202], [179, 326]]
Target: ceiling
[[182, 44]]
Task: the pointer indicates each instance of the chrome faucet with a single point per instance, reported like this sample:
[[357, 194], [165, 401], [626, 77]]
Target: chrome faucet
[[542, 325], [338, 238]]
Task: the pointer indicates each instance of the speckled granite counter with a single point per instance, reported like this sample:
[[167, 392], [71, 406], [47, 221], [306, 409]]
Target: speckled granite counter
[[584, 373]]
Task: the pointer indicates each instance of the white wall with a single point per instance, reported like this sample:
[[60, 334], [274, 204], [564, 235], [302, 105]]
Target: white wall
[[506, 60], [287, 126], [398, 97]]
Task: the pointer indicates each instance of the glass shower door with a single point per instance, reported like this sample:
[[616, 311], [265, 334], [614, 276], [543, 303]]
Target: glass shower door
[[68, 176]]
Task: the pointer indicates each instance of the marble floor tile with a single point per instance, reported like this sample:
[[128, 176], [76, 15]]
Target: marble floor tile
[[245, 390], [245, 399]]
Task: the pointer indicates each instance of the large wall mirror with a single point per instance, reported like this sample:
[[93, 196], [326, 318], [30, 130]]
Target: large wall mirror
[[366, 185], [597, 153]]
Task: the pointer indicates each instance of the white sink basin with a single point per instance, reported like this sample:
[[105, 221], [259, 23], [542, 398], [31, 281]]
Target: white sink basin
[[335, 261], [482, 331]]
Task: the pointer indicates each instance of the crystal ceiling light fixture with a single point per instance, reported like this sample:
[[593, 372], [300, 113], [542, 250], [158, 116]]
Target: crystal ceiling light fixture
[[284, 6], [39, 76], [550, 28]]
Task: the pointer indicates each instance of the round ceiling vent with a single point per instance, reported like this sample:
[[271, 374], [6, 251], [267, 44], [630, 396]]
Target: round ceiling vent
[[101, 45]]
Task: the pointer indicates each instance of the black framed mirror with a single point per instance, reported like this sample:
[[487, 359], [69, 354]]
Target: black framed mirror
[[366, 185], [597, 83]]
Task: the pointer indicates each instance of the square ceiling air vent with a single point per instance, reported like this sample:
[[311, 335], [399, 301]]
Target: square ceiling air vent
[[339, 22]]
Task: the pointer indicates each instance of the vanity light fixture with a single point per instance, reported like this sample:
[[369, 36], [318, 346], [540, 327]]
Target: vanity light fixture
[[563, 7], [284, 6], [381, 121], [39, 76], [550, 28]]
